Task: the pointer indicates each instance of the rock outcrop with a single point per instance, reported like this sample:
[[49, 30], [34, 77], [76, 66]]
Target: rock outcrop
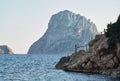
[[65, 30], [99, 59], [103, 55], [4, 49]]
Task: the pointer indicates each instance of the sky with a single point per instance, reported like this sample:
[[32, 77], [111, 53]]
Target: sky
[[22, 22]]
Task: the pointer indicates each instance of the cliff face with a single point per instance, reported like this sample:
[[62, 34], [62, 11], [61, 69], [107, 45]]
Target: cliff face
[[65, 29], [99, 59], [4, 49]]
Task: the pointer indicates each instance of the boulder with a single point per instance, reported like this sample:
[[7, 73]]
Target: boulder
[[89, 65], [110, 64]]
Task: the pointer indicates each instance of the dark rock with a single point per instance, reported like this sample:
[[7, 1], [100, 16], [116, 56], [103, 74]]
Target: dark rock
[[62, 62], [110, 64], [4, 49]]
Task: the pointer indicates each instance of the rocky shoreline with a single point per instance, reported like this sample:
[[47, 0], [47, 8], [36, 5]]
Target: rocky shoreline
[[102, 57], [99, 59]]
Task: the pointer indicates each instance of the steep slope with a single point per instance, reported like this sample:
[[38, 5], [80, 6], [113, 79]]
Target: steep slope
[[4, 49], [65, 30], [98, 60]]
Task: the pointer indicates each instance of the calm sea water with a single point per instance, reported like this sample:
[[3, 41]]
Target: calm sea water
[[40, 67]]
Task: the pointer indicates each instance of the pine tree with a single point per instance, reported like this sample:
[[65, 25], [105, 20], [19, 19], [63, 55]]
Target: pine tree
[[113, 33]]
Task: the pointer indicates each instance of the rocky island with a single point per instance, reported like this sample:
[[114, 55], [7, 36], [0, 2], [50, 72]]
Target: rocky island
[[4, 49], [65, 30], [103, 55]]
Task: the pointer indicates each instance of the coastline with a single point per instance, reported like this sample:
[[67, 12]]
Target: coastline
[[97, 60]]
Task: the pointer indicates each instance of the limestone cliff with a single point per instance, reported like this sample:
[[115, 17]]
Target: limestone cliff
[[65, 30]]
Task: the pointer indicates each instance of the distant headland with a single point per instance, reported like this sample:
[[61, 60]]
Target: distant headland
[[4, 49]]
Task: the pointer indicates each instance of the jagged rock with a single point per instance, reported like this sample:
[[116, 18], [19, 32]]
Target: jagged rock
[[62, 61], [110, 64], [94, 59], [65, 30], [98, 44], [4, 49], [75, 57], [106, 58], [101, 62], [115, 73]]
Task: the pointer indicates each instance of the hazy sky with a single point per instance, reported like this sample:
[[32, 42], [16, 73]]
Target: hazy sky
[[24, 21]]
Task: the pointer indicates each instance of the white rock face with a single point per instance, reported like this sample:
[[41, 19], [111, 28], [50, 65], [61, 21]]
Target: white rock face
[[65, 30]]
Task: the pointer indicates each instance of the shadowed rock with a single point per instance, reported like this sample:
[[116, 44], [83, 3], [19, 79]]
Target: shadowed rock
[[97, 60], [4, 49]]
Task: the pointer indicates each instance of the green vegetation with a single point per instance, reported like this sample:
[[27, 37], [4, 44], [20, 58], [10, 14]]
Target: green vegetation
[[113, 33]]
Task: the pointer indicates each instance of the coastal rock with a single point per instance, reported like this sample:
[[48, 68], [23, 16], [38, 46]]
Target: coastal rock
[[101, 62], [65, 30], [4, 49], [89, 65], [110, 64], [98, 45], [62, 61], [100, 58]]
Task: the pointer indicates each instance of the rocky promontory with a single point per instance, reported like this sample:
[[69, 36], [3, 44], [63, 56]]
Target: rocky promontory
[[4, 49], [102, 57]]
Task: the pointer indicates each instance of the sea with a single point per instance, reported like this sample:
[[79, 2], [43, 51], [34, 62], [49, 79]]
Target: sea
[[41, 67]]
